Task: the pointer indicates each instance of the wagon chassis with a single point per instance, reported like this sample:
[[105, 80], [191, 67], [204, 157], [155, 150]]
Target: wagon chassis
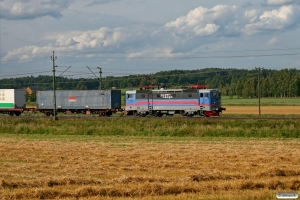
[[100, 112], [12, 112]]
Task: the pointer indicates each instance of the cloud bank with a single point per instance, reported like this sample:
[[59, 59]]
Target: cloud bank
[[203, 21], [31, 9], [280, 19], [186, 33]]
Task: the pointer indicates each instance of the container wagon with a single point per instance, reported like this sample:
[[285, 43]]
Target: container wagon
[[12, 101], [186, 102], [102, 102]]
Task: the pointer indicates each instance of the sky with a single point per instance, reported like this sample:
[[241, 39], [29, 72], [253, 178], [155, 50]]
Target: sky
[[125, 37]]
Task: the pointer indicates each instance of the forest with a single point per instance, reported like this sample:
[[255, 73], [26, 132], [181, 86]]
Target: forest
[[242, 83]]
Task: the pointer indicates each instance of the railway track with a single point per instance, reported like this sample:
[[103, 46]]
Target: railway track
[[151, 117]]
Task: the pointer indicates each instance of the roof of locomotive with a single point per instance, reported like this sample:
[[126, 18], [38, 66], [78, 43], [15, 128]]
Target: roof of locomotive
[[169, 90]]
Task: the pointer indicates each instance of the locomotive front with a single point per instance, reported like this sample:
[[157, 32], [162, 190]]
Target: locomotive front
[[211, 99]]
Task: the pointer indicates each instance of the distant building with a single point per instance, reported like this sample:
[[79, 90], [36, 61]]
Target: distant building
[[31, 89]]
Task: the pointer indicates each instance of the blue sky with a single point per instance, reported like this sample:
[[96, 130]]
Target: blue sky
[[146, 36]]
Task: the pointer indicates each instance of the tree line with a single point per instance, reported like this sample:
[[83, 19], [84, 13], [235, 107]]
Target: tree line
[[242, 83]]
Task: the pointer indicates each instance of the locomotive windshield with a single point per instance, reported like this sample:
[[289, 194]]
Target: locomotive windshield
[[215, 96]]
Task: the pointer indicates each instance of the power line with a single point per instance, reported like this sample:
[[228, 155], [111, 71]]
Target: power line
[[39, 72], [172, 52], [137, 76], [189, 57], [173, 57], [18, 59]]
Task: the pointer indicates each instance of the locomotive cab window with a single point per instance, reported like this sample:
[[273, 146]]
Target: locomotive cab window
[[201, 95], [206, 95], [129, 96]]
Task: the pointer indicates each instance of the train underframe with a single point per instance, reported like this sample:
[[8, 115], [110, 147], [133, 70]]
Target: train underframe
[[100, 112], [187, 113], [12, 112]]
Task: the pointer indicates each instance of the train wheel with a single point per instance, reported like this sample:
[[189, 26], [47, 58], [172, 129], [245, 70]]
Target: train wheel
[[158, 114], [17, 113], [11, 114], [108, 113]]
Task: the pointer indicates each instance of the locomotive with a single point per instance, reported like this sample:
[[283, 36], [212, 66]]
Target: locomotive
[[186, 102]]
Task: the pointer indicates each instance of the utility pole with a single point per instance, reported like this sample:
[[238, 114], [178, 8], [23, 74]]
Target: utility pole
[[100, 79], [258, 89], [53, 58]]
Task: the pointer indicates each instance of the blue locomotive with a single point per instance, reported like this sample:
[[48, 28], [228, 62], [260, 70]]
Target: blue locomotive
[[186, 102]]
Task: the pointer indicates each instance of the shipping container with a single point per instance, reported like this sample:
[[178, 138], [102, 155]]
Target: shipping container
[[12, 101], [103, 102]]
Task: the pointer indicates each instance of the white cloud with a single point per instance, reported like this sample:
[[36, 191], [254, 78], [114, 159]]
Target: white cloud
[[98, 41], [65, 42], [279, 19], [30, 9], [272, 41], [153, 53], [203, 21], [251, 15], [207, 30]]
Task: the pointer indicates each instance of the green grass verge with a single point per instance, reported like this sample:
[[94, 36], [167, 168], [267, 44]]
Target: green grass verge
[[227, 101], [151, 128]]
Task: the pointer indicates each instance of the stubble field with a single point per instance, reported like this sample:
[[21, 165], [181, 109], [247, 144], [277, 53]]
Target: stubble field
[[91, 167]]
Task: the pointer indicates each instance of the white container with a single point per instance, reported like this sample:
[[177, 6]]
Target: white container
[[12, 98]]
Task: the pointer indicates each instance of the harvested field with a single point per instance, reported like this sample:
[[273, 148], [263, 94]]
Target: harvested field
[[144, 168], [285, 110]]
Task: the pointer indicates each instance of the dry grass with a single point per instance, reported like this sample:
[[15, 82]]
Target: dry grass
[[137, 169], [285, 110]]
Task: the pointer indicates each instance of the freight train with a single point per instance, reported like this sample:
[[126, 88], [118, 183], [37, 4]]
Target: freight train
[[102, 102], [186, 102]]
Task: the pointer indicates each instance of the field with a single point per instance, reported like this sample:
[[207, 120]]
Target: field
[[138, 158], [276, 110], [93, 167], [226, 101]]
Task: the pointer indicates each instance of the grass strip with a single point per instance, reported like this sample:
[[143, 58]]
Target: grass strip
[[144, 127]]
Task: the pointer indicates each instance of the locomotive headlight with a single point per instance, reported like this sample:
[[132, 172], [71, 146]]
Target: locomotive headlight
[[87, 107]]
